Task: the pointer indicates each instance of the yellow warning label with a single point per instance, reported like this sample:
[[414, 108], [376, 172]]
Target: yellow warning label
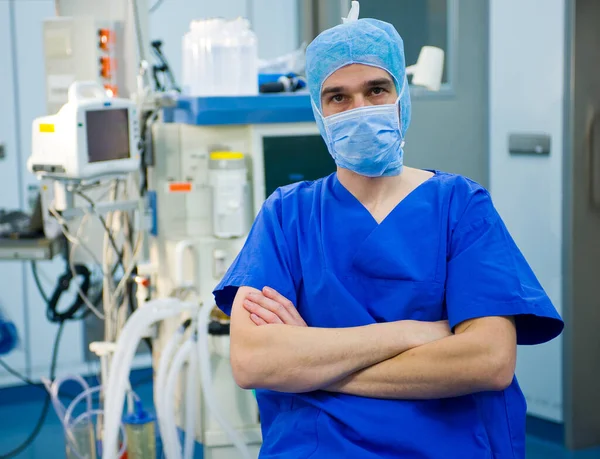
[[225, 155], [46, 127]]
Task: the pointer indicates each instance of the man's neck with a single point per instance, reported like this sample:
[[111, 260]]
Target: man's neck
[[371, 191], [380, 195]]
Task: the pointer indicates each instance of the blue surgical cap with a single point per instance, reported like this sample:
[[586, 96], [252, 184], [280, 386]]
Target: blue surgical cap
[[364, 41]]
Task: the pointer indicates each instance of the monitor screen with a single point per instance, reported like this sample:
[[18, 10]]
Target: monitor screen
[[290, 159], [107, 134]]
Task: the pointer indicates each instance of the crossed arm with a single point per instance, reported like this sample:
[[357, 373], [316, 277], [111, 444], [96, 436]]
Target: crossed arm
[[272, 348]]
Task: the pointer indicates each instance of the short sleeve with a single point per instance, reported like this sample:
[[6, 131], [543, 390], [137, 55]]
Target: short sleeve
[[263, 261], [487, 275]]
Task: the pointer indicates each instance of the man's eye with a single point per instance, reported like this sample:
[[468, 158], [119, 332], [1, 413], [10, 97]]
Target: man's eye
[[377, 91], [338, 98]]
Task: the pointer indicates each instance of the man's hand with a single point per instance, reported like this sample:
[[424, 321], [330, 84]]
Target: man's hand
[[270, 307]]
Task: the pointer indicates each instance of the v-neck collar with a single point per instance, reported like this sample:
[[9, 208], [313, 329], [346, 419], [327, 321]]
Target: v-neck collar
[[342, 191]]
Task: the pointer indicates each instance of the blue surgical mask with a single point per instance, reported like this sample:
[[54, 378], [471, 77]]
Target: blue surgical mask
[[366, 140]]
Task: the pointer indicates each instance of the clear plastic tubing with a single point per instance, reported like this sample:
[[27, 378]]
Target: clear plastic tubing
[[191, 403], [54, 388], [161, 381], [59, 408], [85, 394], [173, 446]]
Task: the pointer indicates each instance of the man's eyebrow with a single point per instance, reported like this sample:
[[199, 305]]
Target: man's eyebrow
[[386, 82], [332, 89], [378, 82]]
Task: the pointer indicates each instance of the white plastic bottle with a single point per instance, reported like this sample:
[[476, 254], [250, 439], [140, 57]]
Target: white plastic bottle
[[229, 183]]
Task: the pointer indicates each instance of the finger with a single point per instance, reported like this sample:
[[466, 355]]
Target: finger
[[264, 314], [276, 296], [276, 308], [261, 312], [287, 304], [257, 320]]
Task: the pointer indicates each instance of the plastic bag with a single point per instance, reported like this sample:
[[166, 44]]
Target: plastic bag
[[294, 62]]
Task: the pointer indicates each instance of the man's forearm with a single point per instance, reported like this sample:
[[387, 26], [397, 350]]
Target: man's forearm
[[457, 365], [301, 359]]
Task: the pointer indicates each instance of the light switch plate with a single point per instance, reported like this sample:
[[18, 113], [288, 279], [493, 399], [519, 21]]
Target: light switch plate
[[529, 144]]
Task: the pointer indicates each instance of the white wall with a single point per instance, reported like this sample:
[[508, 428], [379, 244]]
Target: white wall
[[23, 100], [11, 273], [32, 104], [274, 21], [527, 60]]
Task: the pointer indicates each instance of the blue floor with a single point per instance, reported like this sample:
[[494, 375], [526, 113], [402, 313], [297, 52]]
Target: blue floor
[[17, 419], [540, 449]]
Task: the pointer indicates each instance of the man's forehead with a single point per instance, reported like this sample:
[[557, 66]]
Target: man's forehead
[[356, 72]]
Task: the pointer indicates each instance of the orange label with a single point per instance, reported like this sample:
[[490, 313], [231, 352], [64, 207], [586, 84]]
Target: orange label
[[180, 187]]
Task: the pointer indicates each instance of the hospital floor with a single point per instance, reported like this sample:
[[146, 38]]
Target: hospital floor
[[19, 414]]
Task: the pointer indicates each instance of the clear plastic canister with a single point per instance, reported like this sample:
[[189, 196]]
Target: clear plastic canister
[[220, 58], [228, 178], [80, 440], [140, 428]]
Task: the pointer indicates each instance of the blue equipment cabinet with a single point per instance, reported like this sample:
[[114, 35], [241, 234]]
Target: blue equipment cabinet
[[261, 109]]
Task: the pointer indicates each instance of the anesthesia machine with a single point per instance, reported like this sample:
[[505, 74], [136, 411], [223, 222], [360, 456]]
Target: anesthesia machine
[[211, 164], [192, 179]]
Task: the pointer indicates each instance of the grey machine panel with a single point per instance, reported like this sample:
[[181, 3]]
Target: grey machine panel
[[30, 249]]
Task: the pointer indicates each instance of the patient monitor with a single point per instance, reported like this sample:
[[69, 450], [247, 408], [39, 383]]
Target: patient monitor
[[92, 135]]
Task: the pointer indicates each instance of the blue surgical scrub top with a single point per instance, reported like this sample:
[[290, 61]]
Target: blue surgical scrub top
[[442, 253]]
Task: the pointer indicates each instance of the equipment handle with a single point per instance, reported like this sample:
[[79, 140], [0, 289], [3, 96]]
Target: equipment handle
[[593, 160], [180, 250], [81, 90]]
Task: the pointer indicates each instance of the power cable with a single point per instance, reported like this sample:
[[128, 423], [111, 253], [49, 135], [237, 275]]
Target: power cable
[[156, 6]]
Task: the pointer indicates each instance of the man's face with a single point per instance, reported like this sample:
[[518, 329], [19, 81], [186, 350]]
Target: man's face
[[354, 86]]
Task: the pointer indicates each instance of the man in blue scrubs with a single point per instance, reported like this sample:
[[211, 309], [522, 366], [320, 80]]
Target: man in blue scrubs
[[377, 310]]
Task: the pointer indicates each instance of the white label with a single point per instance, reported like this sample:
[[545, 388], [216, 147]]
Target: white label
[[58, 43]]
